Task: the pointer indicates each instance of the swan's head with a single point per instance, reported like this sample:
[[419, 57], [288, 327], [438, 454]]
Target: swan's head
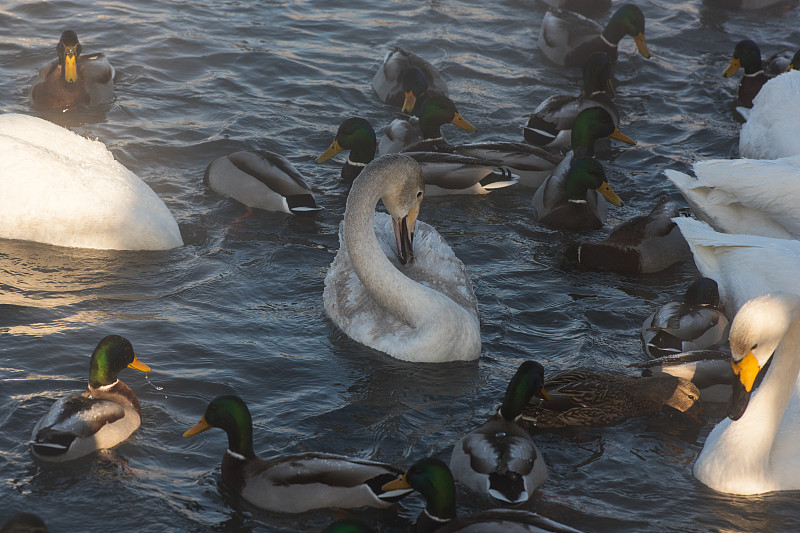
[[402, 195], [756, 332]]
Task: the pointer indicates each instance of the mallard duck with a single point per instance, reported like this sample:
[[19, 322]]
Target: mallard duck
[[697, 323], [410, 299], [499, 458], [296, 483], [434, 481], [261, 179], [61, 188], [551, 123], [442, 173], [24, 523], [436, 111], [750, 196], [576, 199], [583, 398], [710, 370], [771, 128], [641, 245], [102, 416], [754, 450], [584, 7], [747, 55], [405, 79], [568, 39], [71, 80]]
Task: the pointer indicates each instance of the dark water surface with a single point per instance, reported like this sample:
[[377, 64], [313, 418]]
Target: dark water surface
[[238, 309]]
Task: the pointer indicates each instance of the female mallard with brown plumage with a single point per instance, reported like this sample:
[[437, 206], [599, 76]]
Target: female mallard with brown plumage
[[296, 483], [72, 80], [584, 398]]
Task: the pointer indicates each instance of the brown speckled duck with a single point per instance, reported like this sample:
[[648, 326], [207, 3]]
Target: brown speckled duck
[[584, 398]]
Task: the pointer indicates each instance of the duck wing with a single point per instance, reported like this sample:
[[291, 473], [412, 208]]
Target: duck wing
[[72, 417]]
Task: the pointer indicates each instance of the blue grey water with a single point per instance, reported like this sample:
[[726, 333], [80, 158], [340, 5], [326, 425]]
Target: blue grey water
[[238, 309]]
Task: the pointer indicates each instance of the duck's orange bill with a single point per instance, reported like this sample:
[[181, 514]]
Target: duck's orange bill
[[618, 135], [138, 365], [641, 45], [334, 149], [398, 484], [732, 69], [459, 121], [608, 194], [197, 428]]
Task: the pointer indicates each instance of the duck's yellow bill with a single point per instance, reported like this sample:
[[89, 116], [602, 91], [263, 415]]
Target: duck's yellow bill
[[71, 68], [459, 121], [138, 365], [790, 67], [641, 45], [732, 69], [409, 102], [197, 428], [618, 135], [608, 194], [543, 394], [747, 369], [334, 149], [397, 484]]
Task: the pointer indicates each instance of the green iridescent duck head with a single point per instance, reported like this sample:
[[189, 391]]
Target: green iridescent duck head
[[587, 173], [230, 414], [355, 134], [111, 355], [527, 382], [627, 20]]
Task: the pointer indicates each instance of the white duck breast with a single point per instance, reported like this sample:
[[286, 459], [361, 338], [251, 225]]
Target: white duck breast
[[423, 311], [745, 196], [771, 128], [261, 179], [63, 189]]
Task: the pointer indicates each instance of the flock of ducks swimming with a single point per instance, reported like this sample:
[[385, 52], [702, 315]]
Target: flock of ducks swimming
[[397, 287]]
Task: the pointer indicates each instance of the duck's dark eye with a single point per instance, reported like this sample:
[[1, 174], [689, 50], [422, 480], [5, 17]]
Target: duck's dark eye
[[419, 195]]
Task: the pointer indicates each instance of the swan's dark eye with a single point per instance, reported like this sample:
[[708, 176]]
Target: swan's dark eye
[[752, 348]]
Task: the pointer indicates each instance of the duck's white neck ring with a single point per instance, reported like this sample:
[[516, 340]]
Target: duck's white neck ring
[[439, 138], [435, 518], [107, 387], [355, 163], [754, 74], [576, 201], [235, 455], [609, 43]]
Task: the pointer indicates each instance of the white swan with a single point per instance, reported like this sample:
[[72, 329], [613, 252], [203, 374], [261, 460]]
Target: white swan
[[425, 312], [60, 188], [771, 128], [748, 196], [755, 449]]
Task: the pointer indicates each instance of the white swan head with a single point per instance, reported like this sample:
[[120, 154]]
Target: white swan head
[[399, 181], [756, 332]]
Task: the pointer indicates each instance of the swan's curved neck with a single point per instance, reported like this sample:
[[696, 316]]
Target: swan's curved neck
[[389, 287]]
